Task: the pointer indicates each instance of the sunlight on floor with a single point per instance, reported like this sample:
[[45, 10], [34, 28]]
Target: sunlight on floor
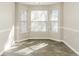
[[31, 49], [10, 41]]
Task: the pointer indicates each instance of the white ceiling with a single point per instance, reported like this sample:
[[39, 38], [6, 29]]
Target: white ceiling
[[38, 3]]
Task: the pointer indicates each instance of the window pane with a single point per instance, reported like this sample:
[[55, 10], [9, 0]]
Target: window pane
[[23, 15], [39, 16], [54, 16], [55, 26], [23, 27], [38, 26], [23, 21]]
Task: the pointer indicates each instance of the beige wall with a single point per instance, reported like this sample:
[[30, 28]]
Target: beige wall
[[6, 22], [71, 24]]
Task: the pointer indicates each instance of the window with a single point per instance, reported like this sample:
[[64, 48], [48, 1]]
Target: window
[[23, 21], [38, 21], [54, 20]]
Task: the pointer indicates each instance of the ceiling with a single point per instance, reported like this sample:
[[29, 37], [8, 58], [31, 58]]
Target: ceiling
[[38, 3]]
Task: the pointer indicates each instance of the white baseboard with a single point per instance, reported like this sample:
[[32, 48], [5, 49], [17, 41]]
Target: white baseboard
[[28, 38], [70, 47], [45, 38], [21, 40], [56, 40], [40, 38]]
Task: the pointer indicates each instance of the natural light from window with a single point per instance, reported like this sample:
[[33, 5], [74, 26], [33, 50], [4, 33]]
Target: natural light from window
[[38, 21]]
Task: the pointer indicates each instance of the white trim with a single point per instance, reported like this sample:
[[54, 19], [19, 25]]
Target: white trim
[[58, 40], [30, 38], [70, 29], [40, 38], [21, 40], [70, 47], [4, 30], [50, 38]]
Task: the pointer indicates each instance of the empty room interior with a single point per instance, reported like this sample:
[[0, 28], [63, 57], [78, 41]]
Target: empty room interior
[[39, 28]]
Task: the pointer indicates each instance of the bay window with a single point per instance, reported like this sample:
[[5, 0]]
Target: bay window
[[39, 21]]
